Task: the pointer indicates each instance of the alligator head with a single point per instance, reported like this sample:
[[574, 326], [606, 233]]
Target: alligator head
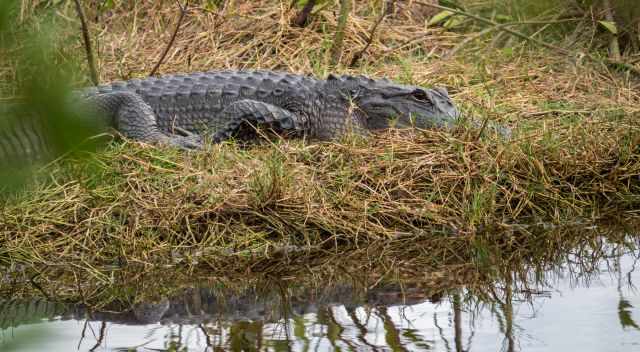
[[385, 104]]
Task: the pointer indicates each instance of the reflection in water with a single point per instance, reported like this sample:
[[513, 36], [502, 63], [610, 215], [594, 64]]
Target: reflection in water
[[509, 316]]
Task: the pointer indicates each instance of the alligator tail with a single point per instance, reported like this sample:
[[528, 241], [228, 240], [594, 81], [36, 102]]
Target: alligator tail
[[23, 139]]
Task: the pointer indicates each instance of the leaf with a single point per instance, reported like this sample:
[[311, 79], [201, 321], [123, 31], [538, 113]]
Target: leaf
[[504, 18], [439, 17], [108, 5], [610, 26], [453, 22], [507, 51]]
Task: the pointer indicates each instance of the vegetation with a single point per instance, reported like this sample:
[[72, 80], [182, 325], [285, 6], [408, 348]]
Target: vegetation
[[441, 199]]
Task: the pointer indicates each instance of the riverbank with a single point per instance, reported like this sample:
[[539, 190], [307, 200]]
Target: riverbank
[[144, 205], [448, 198]]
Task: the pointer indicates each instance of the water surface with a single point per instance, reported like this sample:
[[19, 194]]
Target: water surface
[[573, 311]]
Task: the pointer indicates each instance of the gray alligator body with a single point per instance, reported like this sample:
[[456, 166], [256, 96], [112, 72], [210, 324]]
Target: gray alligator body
[[181, 109], [195, 306]]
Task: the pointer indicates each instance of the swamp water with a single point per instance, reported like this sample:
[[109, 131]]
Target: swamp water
[[575, 305]]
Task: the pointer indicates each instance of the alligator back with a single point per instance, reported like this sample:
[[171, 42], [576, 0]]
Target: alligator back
[[179, 109], [195, 101]]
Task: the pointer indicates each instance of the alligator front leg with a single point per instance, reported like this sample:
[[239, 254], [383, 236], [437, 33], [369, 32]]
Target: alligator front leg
[[130, 115], [252, 114]]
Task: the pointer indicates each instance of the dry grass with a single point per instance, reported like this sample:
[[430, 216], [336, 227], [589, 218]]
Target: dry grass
[[441, 197], [140, 205]]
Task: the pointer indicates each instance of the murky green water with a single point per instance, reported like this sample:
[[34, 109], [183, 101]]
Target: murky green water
[[579, 309]]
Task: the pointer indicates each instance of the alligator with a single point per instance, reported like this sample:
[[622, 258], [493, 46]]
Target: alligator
[[202, 305], [219, 320], [186, 110]]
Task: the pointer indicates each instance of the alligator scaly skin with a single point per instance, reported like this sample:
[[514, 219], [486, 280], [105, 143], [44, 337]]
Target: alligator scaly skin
[[195, 306], [181, 109]]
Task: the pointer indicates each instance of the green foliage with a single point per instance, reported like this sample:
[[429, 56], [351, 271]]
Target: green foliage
[[447, 18], [610, 26], [44, 89], [523, 9], [440, 17], [626, 14]]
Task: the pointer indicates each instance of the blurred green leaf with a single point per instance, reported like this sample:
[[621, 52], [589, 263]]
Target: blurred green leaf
[[7, 13], [108, 4], [503, 18], [453, 22], [507, 51], [45, 108], [610, 26], [440, 17]]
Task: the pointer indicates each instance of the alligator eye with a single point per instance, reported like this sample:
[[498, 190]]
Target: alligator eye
[[420, 94]]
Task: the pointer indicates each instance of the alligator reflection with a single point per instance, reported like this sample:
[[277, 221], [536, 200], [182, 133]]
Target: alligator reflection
[[389, 316]]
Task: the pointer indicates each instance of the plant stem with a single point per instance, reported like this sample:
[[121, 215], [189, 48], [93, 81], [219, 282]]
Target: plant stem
[[336, 49], [183, 12], [385, 11], [303, 16], [614, 45], [87, 44]]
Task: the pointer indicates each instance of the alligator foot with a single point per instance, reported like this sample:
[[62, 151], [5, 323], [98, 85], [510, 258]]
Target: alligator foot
[[189, 139], [182, 139], [256, 114], [185, 142], [135, 119]]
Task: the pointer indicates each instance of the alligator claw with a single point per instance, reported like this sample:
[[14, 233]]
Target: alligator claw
[[192, 143]]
